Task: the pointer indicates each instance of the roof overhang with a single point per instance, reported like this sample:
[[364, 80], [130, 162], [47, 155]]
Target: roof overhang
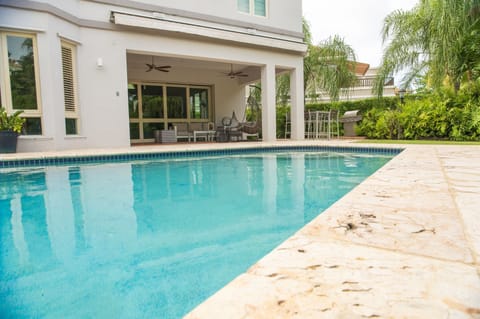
[[247, 36], [361, 68]]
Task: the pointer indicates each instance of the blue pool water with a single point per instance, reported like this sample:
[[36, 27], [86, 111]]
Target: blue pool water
[[153, 239]]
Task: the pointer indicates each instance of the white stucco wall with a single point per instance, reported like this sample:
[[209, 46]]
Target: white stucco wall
[[282, 14]]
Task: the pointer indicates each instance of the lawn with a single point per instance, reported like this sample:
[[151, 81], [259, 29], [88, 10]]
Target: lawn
[[434, 142]]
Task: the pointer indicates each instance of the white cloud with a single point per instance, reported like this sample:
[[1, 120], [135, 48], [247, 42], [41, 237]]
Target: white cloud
[[359, 22]]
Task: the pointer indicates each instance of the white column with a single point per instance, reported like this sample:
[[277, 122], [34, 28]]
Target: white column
[[60, 213], [298, 189], [18, 232], [297, 103], [269, 127], [270, 183]]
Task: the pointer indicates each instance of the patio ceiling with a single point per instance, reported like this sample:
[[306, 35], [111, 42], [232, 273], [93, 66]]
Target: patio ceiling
[[138, 60]]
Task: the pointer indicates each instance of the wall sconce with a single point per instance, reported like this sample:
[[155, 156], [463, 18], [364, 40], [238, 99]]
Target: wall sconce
[[99, 63]]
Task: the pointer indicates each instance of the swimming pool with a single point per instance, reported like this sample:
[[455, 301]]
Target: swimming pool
[[154, 238]]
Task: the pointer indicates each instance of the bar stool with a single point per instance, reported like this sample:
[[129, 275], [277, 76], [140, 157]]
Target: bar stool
[[309, 124], [334, 124], [323, 124]]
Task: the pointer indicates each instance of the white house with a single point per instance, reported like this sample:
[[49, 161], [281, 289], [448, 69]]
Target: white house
[[365, 79], [80, 68], [364, 85]]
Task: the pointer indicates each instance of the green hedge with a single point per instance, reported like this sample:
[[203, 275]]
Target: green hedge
[[361, 105], [435, 116]]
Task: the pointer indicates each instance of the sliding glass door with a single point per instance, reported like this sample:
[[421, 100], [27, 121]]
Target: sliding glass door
[[199, 103], [159, 106]]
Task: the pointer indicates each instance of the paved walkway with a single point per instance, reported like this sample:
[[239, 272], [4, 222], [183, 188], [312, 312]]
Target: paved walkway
[[403, 244]]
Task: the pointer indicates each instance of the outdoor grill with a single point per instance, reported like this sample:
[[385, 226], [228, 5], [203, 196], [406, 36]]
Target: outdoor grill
[[350, 120]]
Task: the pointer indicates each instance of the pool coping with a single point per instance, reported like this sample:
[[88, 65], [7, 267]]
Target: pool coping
[[404, 243], [122, 155]]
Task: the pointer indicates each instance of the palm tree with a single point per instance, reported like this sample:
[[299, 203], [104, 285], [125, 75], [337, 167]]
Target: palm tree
[[333, 68], [438, 39], [327, 67]]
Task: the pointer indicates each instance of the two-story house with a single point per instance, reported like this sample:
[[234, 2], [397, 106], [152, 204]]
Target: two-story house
[[107, 73]]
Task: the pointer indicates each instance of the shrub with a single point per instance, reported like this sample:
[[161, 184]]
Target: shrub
[[436, 116]]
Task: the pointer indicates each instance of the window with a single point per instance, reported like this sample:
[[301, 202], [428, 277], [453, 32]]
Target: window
[[159, 106], [146, 110], [243, 6], [19, 79], [69, 88], [152, 110], [198, 103], [152, 101], [177, 102], [253, 7]]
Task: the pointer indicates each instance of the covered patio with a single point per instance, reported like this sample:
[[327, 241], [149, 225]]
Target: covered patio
[[193, 96], [196, 77], [186, 94]]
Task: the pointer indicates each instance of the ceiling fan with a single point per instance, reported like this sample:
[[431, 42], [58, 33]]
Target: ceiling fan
[[161, 68], [233, 75]]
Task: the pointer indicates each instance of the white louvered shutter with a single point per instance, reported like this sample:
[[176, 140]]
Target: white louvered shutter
[[68, 80]]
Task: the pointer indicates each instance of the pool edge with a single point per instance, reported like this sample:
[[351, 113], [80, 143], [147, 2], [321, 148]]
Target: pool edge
[[123, 155], [403, 243]]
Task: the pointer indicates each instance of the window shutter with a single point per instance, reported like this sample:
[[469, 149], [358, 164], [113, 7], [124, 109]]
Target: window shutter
[[260, 8], [68, 79]]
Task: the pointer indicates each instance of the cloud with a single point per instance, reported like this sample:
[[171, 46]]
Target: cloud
[[359, 22]]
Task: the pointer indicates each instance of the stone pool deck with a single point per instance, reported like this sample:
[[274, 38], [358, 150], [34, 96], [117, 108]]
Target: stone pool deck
[[403, 244]]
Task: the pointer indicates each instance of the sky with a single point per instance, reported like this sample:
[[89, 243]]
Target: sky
[[359, 22]]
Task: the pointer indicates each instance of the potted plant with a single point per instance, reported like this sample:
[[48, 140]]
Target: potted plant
[[10, 127]]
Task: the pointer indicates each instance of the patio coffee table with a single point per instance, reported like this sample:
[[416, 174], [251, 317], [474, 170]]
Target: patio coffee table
[[207, 135]]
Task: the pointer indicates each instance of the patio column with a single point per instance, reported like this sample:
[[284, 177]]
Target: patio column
[[60, 214], [297, 103], [270, 177], [269, 127]]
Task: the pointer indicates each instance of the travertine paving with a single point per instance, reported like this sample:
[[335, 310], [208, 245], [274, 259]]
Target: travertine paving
[[403, 244]]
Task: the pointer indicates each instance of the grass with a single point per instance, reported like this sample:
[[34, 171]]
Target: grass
[[434, 142]]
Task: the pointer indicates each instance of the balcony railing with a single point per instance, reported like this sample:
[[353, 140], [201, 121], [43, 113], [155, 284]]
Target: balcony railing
[[368, 81]]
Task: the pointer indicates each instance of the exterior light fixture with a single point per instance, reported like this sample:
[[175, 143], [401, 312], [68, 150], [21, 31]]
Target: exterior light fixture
[[99, 63]]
